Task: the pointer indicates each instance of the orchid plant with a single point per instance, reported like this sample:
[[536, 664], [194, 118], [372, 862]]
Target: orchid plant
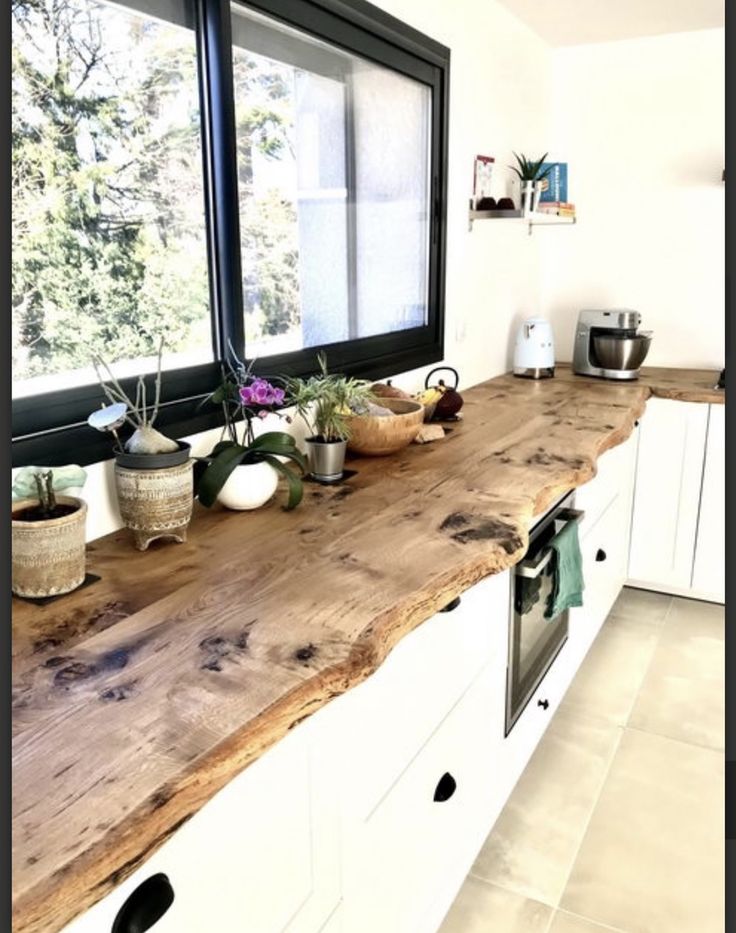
[[245, 398]]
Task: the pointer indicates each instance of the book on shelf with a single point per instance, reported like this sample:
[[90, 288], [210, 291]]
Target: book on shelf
[[556, 208], [554, 186]]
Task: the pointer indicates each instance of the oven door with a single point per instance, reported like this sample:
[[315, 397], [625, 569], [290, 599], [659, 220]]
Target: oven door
[[535, 640]]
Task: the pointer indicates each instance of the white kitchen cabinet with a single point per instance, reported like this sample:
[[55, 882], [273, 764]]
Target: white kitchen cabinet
[[262, 856], [431, 822], [667, 495], [709, 568], [604, 542]]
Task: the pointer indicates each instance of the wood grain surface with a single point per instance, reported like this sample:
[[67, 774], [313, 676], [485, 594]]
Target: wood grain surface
[[138, 697]]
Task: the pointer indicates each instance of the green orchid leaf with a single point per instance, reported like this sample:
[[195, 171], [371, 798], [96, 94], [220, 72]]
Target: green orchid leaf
[[219, 447], [218, 472], [271, 438], [296, 486], [254, 456]]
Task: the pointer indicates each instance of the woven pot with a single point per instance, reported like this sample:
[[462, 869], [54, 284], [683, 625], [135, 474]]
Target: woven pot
[[156, 503], [49, 556]]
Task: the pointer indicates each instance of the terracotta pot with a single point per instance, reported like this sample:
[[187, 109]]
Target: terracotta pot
[[249, 486], [156, 503], [376, 436], [49, 556]]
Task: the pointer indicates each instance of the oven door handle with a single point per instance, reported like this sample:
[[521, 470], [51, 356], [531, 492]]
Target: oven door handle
[[532, 568]]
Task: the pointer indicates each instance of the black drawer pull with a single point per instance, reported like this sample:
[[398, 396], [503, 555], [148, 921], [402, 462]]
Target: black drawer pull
[[145, 906], [600, 555], [453, 605], [543, 703], [446, 787]]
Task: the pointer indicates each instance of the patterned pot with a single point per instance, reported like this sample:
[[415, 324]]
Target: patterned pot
[[156, 503], [48, 556]]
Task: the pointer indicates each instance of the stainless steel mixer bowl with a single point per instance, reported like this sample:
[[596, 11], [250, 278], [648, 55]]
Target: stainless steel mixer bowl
[[621, 352]]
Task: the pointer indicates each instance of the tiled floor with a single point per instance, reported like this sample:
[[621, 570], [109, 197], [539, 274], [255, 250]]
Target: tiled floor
[[617, 822]]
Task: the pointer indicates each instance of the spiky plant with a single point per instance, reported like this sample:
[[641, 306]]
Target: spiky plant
[[529, 170]]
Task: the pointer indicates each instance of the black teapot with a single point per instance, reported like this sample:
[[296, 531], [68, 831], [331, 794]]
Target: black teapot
[[450, 403]]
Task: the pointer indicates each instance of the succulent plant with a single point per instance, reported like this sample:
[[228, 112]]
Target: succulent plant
[[529, 170]]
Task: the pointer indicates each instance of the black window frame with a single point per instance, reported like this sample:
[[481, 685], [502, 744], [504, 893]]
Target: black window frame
[[51, 428]]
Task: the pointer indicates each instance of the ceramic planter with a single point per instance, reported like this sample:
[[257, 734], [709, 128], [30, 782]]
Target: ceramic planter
[[326, 459], [528, 197], [49, 556], [249, 486], [155, 501]]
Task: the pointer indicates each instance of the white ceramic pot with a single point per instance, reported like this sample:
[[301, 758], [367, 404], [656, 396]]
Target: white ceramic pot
[[249, 486]]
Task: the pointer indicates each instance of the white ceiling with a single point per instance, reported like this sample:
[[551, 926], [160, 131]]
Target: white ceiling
[[572, 22]]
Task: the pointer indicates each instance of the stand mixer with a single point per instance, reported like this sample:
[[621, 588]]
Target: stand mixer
[[608, 344]]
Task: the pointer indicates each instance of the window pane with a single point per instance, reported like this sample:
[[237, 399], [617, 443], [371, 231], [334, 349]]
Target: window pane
[[333, 166], [109, 246]]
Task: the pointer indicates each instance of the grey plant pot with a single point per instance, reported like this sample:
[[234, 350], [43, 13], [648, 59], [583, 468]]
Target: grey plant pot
[[155, 461], [326, 459]]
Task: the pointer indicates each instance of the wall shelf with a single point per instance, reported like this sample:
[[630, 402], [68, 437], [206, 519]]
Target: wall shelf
[[535, 219]]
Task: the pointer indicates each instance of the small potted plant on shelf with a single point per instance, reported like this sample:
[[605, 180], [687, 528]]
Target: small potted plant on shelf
[[530, 175], [153, 473], [48, 532], [243, 473], [326, 402]]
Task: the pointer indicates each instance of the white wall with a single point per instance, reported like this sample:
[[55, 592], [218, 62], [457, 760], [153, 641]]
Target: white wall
[[641, 124], [498, 84]]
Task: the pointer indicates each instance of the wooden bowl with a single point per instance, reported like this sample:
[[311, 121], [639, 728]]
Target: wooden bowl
[[374, 436]]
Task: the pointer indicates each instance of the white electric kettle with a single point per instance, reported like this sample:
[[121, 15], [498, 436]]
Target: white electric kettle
[[534, 353]]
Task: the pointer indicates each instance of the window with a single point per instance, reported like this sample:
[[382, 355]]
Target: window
[[109, 245], [268, 175]]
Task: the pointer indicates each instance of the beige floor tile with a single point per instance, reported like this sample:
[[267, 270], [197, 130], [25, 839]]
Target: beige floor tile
[[609, 678], [534, 842], [571, 923], [485, 908], [642, 605], [682, 695], [652, 858]]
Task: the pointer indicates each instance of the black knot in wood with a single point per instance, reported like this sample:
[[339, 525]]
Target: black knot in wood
[[306, 653]]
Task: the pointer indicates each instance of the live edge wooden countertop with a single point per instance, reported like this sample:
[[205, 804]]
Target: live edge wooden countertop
[[137, 698]]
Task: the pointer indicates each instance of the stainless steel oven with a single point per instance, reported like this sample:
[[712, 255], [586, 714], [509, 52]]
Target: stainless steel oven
[[535, 640]]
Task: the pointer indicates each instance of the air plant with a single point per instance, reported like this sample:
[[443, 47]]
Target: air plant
[[529, 170], [145, 439]]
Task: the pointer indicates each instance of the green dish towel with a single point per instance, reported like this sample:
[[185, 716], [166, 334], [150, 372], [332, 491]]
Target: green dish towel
[[567, 572]]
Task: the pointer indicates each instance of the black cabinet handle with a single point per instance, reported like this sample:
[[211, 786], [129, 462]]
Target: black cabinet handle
[[600, 555], [636, 424], [543, 703], [453, 605], [446, 787], [145, 906]]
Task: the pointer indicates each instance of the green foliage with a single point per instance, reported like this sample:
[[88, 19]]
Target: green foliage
[[108, 208], [529, 170], [330, 399]]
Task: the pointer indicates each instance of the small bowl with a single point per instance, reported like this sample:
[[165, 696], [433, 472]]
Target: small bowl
[[376, 436]]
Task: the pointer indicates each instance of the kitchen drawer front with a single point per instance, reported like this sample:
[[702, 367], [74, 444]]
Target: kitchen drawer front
[[397, 709], [432, 822], [519, 744], [262, 855], [605, 555], [615, 475]]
